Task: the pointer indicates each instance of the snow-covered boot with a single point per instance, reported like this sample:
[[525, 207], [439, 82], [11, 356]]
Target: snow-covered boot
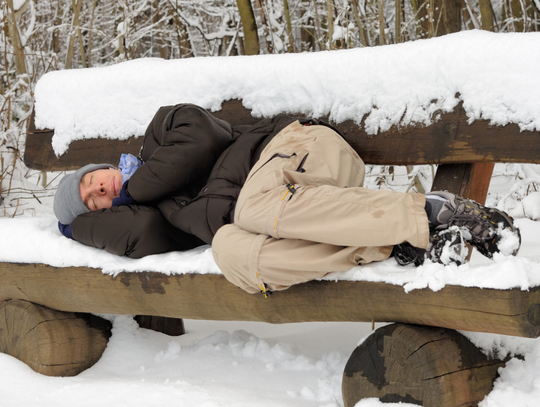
[[490, 230], [405, 254], [447, 246]]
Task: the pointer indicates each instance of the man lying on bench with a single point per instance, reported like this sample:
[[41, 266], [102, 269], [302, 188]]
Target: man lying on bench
[[281, 202]]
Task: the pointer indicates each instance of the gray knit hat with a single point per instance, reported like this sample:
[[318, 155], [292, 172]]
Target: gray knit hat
[[67, 201]]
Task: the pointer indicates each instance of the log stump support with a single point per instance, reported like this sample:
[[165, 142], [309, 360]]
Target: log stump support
[[58, 343], [52, 343], [428, 366]]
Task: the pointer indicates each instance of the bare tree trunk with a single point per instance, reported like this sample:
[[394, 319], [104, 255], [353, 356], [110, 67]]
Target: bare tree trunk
[[76, 12], [15, 37], [90, 33], [71, 44], [431, 20], [266, 29], [382, 37], [518, 15], [398, 21], [287, 13], [318, 29], [249, 26], [330, 16], [307, 33], [486, 14], [449, 14], [361, 28], [438, 17]]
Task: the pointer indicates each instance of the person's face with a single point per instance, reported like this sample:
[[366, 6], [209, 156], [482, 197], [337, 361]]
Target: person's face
[[98, 188]]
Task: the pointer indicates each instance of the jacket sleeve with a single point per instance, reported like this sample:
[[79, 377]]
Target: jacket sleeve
[[133, 231], [182, 144]]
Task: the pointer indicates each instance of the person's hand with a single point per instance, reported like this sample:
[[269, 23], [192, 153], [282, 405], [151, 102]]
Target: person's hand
[[65, 230], [124, 198]]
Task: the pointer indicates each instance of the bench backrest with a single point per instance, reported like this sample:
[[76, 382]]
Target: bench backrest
[[450, 141]]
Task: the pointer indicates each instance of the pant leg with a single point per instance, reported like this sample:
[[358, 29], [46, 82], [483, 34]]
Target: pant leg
[[307, 185], [255, 261]]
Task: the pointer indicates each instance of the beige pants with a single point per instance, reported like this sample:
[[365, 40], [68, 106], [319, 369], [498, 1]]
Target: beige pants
[[303, 213]]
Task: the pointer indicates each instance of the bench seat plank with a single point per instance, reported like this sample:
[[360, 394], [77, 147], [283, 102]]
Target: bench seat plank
[[210, 296]]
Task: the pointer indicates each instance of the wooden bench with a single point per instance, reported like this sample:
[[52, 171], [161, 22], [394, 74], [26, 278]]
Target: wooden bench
[[421, 360]]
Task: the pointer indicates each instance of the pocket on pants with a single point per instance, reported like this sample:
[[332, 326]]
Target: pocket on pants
[[264, 186], [271, 174]]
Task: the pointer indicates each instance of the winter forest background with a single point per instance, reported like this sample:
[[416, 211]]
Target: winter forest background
[[38, 36]]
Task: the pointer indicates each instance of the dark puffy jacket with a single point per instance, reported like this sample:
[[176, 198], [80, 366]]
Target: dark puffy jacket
[[194, 166]]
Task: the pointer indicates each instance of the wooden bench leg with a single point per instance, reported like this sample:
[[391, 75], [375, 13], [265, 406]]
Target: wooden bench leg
[[428, 366], [467, 180], [52, 343], [167, 326]]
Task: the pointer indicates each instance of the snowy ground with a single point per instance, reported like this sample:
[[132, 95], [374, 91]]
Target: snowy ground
[[214, 364], [230, 364]]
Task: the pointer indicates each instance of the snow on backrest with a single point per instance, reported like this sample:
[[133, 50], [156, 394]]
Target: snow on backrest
[[494, 75]]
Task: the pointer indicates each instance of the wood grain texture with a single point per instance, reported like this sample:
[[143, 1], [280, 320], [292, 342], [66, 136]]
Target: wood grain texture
[[467, 180], [211, 297], [451, 140], [432, 367], [51, 342]]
